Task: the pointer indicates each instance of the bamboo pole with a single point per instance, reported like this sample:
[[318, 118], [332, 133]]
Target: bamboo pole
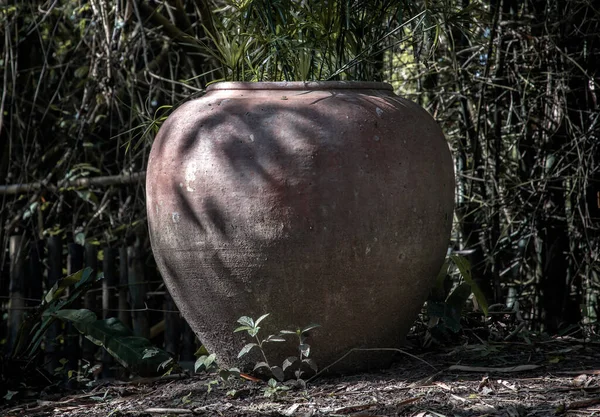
[[106, 181], [72, 346], [172, 326], [51, 343], [89, 301], [16, 288], [137, 290], [124, 313], [109, 301], [109, 284], [35, 275]]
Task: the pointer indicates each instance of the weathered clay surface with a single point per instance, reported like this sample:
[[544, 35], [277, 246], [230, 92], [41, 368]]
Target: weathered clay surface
[[325, 203]]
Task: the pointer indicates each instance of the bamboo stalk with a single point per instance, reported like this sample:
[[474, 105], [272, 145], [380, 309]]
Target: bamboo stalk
[[106, 181], [17, 288], [34, 274], [89, 301], [75, 260], [172, 326], [53, 348], [124, 313], [137, 290], [109, 301]]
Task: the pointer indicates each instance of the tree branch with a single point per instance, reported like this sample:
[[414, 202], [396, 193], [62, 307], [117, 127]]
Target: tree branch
[[14, 189]]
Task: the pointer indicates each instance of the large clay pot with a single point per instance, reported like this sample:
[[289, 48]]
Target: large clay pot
[[317, 202]]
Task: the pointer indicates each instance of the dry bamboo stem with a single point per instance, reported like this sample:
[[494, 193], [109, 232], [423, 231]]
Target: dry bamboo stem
[[79, 182]]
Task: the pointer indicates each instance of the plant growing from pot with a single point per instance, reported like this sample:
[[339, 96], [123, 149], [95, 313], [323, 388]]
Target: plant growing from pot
[[257, 40]]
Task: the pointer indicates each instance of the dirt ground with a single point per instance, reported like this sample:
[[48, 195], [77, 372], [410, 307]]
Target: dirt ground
[[556, 377]]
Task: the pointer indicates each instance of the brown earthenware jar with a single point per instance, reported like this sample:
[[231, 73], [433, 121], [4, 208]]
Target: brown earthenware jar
[[316, 202]]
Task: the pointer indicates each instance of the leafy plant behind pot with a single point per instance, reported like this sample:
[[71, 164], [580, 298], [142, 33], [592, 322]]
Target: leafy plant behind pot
[[445, 305]]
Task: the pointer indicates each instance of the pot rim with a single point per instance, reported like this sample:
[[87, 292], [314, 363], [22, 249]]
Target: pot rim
[[300, 85]]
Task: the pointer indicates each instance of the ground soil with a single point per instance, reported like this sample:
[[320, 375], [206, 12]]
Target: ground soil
[[560, 376]]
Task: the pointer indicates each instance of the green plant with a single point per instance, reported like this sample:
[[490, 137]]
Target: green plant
[[206, 361], [303, 360], [258, 40], [252, 328], [296, 364], [135, 353], [36, 323], [446, 302], [274, 390]]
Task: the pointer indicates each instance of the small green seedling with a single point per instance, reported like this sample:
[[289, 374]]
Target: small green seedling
[[298, 364], [276, 374], [252, 328], [274, 390]]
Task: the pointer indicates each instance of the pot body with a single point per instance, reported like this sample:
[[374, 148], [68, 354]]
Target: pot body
[[325, 202]]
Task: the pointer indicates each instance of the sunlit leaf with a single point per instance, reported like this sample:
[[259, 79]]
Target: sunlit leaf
[[246, 349], [464, 267]]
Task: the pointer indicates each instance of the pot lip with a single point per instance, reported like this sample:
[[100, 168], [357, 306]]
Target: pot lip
[[300, 85]]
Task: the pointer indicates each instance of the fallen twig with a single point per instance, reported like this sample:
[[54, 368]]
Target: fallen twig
[[168, 411], [583, 403], [518, 368]]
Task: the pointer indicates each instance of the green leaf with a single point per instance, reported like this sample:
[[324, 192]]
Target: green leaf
[[260, 365], [287, 332], [277, 372], [62, 284], [80, 238], [246, 321], [135, 353], [149, 353], [311, 363], [202, 351], [82, 316], [209, 361], [225, 374], [274, 338], [199, 364], [246, 349], [33, 328], [81, 71], [289, 361], [186, 398], [304, 349], [10, 394], [242, 328], [464, 267], [454, 306], [261, 318], [210, 384], [310, 327]]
